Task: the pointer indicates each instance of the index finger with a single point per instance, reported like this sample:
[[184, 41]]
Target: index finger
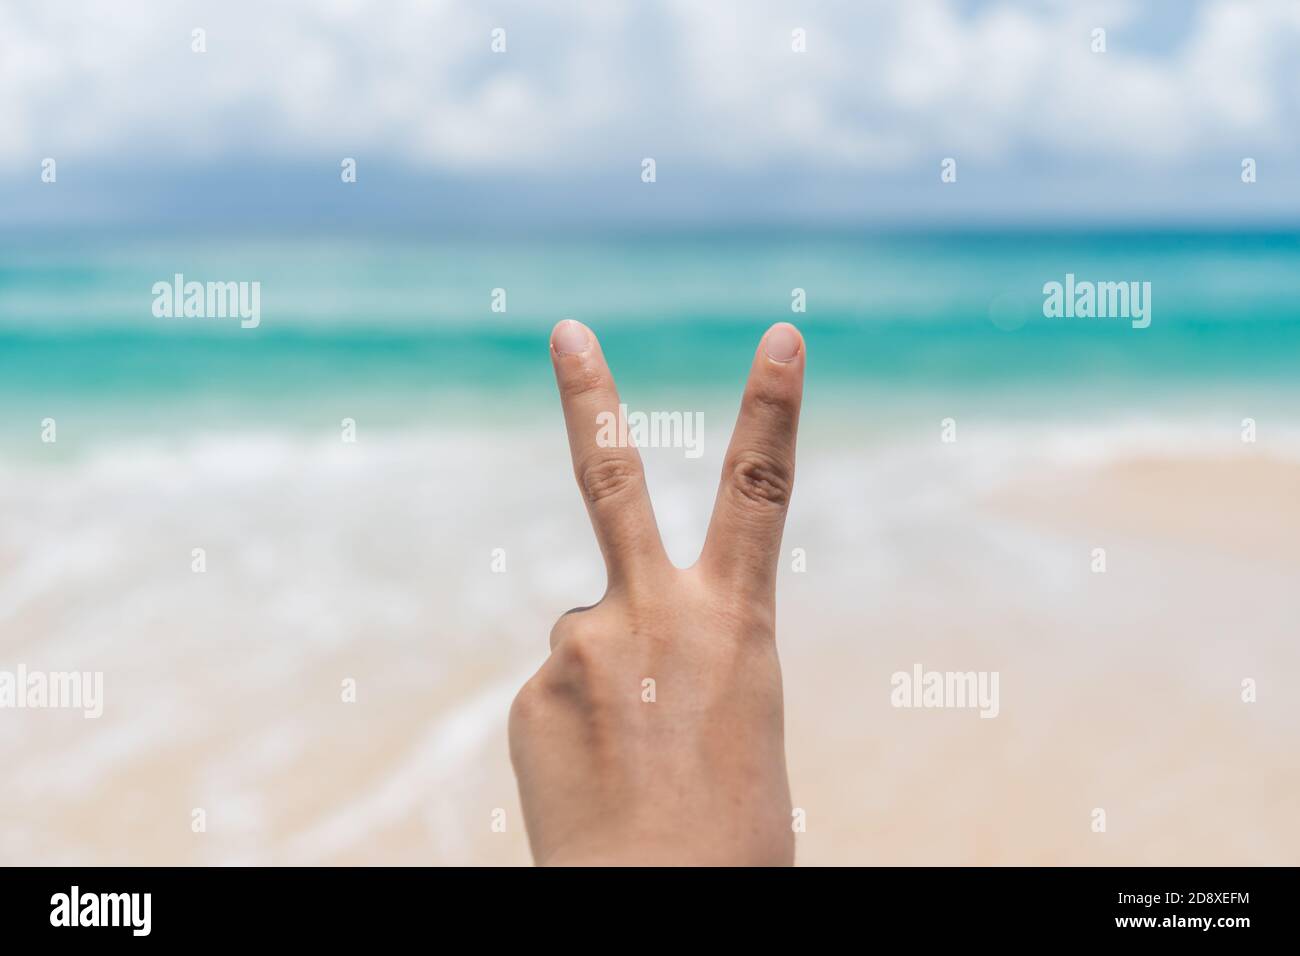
[[609, 473]]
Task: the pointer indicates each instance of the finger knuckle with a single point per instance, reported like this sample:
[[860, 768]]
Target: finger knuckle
[[572, 621], [577, 656], [561, 629], [746, 618], [778, 406], [581, 381], [609, 476], [527, 704], [763, 479]]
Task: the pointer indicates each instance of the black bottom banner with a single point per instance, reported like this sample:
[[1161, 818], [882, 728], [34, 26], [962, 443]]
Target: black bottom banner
[[341, 906]]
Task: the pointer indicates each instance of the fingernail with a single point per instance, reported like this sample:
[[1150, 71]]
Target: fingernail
[[781, 342], [570, 338]]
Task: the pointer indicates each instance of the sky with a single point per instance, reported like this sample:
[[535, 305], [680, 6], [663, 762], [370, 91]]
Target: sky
[[554, 130]]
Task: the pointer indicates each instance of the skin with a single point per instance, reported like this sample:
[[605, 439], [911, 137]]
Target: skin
[[698, 776]]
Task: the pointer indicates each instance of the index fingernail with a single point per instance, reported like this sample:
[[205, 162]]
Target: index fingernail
[[781, 342], [570, 338]]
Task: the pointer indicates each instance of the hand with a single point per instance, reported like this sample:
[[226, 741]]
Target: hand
[[697, 776]]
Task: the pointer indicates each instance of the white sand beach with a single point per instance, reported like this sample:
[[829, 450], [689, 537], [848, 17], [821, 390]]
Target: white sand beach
[[326, 563]]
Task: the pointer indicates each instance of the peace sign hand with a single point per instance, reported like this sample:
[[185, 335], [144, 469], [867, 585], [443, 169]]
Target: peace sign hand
[[653, 734]]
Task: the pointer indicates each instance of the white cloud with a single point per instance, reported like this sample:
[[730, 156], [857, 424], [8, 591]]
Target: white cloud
[[583, 84]]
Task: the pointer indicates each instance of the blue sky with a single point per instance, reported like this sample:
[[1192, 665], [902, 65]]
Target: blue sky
[[743, 129]]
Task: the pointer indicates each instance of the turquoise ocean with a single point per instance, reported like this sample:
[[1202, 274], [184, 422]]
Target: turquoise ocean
[[402, 330]]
